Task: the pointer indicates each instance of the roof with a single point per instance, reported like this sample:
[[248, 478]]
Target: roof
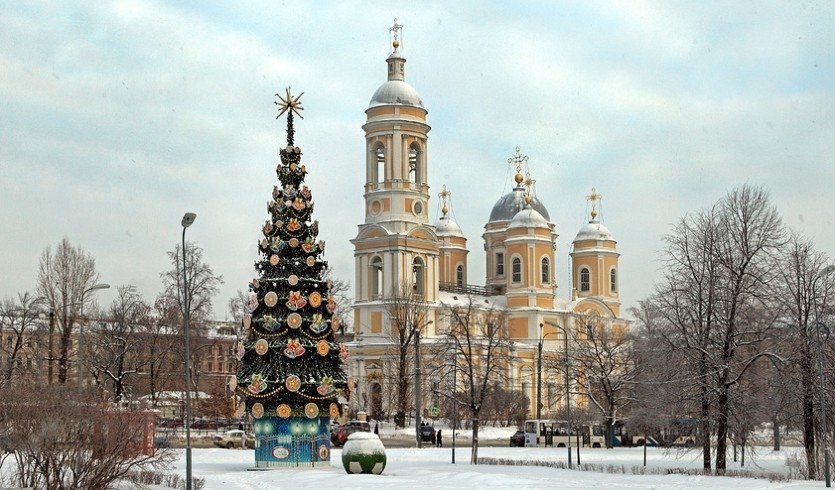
[[528, 218], [513, 202], [395, 92], [446, 226], [594, 230]]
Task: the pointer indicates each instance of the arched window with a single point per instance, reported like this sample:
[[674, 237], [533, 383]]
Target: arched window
[[414, 164], [376, 277], [516, 269], [613, 281], [585, 280], [380, 154], [418, 274], [459, 276], [546, 271]]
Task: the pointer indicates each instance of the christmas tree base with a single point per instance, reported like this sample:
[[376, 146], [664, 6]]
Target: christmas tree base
[[294, 442]]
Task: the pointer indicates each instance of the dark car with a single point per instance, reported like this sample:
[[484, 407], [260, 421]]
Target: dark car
[[427, 434], [341, 433], [161, 442], [517, 439]]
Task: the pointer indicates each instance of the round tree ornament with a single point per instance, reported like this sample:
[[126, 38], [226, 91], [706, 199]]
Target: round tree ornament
[[311, 410], [261, 347], [257, 410], [334, 411], [311, 261], [270, 299], [323, 348], [294, 242], [283, 411], [274, 259], [293, 383], [294, 320], [315, 299], [293, 279]]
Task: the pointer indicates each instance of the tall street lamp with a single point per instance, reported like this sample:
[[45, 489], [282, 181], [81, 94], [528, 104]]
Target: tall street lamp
[[188, 219], [567, 394], [80, 356], [418, 407], [825, 271]]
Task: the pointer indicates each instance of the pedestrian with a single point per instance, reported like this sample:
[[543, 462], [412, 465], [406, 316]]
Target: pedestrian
[[438, 439], [243, 435], [377, 428]]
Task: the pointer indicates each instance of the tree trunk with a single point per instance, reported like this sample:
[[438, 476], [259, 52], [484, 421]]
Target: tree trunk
[[705, 427], [63, 358], [402, 392], [809, 422], [474, 453], [775, 427], [722, 430]]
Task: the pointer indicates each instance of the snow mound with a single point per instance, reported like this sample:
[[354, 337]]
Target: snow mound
[[363, 443]]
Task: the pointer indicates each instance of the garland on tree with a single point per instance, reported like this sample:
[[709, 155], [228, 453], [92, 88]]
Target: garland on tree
[[290, 365]]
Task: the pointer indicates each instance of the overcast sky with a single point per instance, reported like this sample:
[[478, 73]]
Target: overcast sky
[[117, 117]]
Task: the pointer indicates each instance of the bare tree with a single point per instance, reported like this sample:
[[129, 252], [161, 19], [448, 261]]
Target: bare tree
[[479, 346], [202, 282], [715, 302], [63, 279], [159, 336], [407, 314], [603, 354], [800, 287], [203, 285], [116, 349], [19, 319]]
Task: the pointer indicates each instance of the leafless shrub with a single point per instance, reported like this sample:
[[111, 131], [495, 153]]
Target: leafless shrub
[[60, 438]]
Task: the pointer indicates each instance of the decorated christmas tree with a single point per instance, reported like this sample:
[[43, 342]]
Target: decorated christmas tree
[[290, 370]]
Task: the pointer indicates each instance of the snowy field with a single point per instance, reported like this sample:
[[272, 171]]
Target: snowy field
[[411, 468]]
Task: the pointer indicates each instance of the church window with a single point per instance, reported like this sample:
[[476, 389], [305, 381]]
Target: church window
[[418, 274], [414, 165], [499, 264], [585, 280], [613, 281], [516, 269], [459, 276], [376, 277], [546, 271], [380, 155]]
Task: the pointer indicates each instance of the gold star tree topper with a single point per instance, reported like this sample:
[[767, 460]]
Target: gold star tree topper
[[289, 103]]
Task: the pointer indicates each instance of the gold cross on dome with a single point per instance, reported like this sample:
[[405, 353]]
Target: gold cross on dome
[[395, 29], [444, 195], [289, 103], [518, 159], [593, 198]]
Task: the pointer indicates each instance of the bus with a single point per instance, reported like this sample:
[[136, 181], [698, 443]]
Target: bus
[[554, 433]]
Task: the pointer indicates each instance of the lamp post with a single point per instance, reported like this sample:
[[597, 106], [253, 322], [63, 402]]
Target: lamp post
[[187, 221], [418, 407], [567, 394], [825, 271], [454, 403], [94, 287]]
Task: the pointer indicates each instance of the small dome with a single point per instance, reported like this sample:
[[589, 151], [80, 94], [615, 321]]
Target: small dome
[[594, 230], [528, 218], [446, 226], [513, 202], [395, 92]]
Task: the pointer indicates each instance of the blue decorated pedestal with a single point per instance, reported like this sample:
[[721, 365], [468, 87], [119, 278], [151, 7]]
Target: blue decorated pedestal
[[292, 442]]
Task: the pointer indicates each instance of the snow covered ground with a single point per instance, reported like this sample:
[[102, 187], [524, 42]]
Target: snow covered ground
[[412, 468]]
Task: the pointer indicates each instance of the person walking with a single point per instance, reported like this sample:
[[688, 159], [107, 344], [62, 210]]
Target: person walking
[[377, 428], [438, 439]]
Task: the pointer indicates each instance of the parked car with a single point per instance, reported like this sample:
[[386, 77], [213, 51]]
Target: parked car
[[204, 424], [161, 442], [517, 439], [427, 434], [340, 435], [232, 438]]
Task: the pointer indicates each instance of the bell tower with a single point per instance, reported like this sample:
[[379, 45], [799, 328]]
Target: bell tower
[[594, 259], [395, 247]]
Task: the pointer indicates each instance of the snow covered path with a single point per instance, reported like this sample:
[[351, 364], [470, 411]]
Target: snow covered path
[[411, 468]]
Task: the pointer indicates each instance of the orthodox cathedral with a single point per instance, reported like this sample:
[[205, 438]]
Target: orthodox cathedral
[[398, 249]]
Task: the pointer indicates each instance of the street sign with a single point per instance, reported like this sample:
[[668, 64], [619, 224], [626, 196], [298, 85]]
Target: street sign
[[434, 412]]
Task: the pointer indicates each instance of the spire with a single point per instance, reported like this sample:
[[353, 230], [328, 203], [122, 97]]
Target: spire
[[593, 198], [396, 61], [290, 105]]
